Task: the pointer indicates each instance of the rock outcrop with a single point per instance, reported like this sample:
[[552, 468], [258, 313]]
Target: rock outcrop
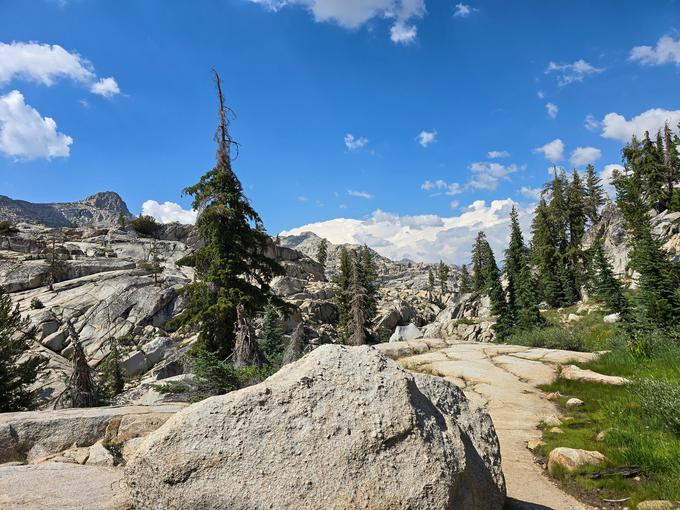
[[341, 428], [100, 209]]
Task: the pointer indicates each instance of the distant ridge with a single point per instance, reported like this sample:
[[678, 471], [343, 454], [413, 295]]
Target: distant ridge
[[100, 209]]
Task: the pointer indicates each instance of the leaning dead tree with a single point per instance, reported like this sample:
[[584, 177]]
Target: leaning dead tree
[[246, 351], [81, 385], [296, 346]]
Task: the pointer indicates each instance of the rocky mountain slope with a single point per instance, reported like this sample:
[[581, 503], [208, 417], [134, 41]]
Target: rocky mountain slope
[[100, 209]]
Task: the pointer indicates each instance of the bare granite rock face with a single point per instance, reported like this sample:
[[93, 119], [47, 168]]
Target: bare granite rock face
[[341, 428], [102, 209]]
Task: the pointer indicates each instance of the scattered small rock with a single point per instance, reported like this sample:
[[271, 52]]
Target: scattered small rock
[[556, 430], [601, 436], [658, 504], [572, 459], [552, 421], [574, 402], [611, 318], [535, 444]]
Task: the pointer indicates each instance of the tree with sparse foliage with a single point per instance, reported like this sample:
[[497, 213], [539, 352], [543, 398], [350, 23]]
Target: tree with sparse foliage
[[443, 277], [322, 252], [153, 262], [111, 381], [17, 371], [430, 282], [465, 281], [82, 389], [232, 267]]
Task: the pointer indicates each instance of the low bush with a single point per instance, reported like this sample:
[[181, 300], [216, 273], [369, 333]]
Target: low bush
[[146, 226], [7, 229], [36, 304]]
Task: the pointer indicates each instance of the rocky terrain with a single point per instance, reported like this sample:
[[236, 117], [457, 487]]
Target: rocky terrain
[[100, 209]]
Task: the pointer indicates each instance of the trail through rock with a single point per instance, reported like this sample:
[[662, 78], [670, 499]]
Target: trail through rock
[[504, 379]]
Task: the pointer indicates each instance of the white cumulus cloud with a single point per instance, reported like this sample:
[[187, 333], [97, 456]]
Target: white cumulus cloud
[[425, 138], [607, 174], [616, 127], [486, 175], [45, 63], [571, 73], [168, 212], [553, 151], [441, 186], [666, 51], [584, 156], [352, 14], [533, 193], [25, 134], [425, 237], [354, 144]]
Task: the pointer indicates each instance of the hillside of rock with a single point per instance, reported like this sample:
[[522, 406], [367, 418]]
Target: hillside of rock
[[100, 209]]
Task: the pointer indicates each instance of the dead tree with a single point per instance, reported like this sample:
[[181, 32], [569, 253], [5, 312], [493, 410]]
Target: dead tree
[[82, 387], [246, 351], [296, 346]]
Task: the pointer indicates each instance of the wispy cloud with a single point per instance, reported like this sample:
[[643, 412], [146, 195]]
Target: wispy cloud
[[552, 110], [497, 154], [571, 73], [359, 194], [463, 10]]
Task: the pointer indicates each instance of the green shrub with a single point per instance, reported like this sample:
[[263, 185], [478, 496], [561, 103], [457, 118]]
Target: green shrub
[[465, 321], [550, 337], [187, 260], [36, 304], [7, 229], [146, 226], [660, 399]]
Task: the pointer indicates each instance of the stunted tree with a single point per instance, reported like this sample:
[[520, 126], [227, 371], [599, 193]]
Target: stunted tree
[[111, 380], [443, 276], [153, 262], [270, 339], [232, 267], [17, 370], [322, 252], [430, 282]]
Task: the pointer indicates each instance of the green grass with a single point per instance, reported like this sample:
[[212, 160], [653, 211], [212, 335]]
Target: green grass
[[637, 419]]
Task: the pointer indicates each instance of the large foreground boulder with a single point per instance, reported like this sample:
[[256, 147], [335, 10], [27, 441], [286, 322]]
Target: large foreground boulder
[[344, 427]]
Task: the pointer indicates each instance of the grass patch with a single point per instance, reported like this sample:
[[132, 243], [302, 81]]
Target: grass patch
[[640, 422]]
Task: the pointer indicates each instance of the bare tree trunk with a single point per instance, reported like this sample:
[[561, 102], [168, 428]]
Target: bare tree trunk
[[246, 350], [83, 391], [296, 346]]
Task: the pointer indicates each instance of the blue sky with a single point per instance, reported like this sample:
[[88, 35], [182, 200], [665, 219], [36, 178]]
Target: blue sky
[[128, 85]]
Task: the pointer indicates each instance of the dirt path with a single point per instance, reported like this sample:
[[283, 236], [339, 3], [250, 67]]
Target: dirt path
[[503, 378]]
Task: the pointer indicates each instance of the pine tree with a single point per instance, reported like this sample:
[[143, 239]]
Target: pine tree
[[358, 317], [594, 195], [368, 274], [246, 349], [17, 371], [653, 173], [545, 256], [671, 159], [232, 267], [522, 299], [153, 262], [478, 281], [504, 321], [322, 252], [603, 283], [111, 381], [343, 295], [576, 204], [443, 276], [270, 340], [465, 280], [430, 282]]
